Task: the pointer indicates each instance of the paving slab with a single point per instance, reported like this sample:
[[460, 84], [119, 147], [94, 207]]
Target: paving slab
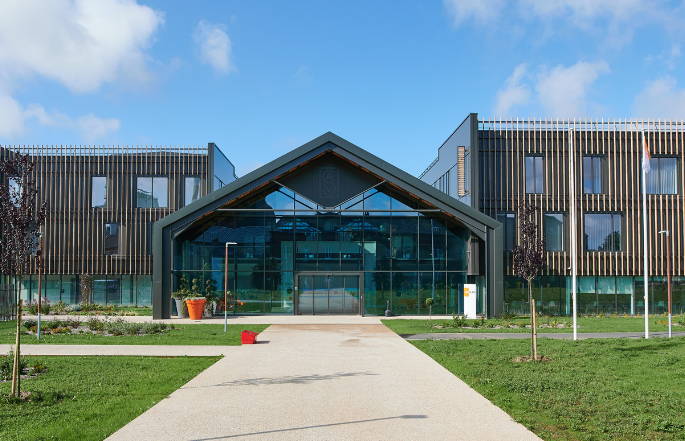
[[138, 350], [325, 382], [521, 335]]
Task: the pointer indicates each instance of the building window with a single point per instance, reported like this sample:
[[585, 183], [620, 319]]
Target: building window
[[602, 232], [534, 173], [98, 194], [191, 189], [152, 192], [663, 176], [508, 221], [554, 231], [592, 174], [111, 239], [443, 183]]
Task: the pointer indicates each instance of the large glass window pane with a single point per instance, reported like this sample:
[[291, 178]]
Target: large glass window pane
[[534, 174], [376, 292], [376, 244], [144, 290], [160, 190], [606, 290], [111, 239], [249, 292], [99, 191], [405, 242], [192, 189], [351, 236], [375, 200], [329, 244], [455, 293], [144, 192], [188, 249], [433, 244], [668, 175], [587, 294], [457, 239], [508, 221], [602, 232], [279, 242], [592, 174], [596, 175], [280, 200], [306, 243], [554, 231], [279, 293], [215, 238], [432, 285], [405, 293], [249, 236], [587, 174]]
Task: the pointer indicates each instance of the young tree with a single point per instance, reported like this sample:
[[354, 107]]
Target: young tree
[[430, 302], [21, 216], [529, 258]]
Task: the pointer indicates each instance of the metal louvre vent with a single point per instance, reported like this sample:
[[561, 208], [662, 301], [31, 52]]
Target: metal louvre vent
[[461, 171]]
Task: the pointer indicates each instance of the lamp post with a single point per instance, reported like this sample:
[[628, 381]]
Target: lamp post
[[668, 265], [40, 277], [226, 286]]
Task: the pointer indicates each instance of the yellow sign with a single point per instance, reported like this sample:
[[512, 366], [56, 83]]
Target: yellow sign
[[466, 292]]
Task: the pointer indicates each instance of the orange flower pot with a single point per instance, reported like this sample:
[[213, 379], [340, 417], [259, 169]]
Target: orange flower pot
[[195, 308]]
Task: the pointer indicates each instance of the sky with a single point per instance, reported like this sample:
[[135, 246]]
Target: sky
[[260, 78]]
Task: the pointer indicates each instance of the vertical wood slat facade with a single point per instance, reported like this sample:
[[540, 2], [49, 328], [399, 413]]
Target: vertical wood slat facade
[[504, 145], [74, 230]]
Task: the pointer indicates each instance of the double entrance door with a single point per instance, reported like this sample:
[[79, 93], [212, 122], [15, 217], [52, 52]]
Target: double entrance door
[[328, 294]]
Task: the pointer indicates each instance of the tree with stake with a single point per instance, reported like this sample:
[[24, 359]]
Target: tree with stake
[[529, 257], [21, 217], [429, 302]]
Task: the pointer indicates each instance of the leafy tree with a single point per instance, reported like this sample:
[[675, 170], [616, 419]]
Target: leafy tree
[[529, 258], [21, 217], [429, 304]]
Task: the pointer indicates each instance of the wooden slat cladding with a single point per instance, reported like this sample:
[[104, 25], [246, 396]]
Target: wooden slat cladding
[[505, 143], [74, 230]]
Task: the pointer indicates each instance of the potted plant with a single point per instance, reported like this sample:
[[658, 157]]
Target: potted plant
[[211, 296], [195, 302], [180, 296]]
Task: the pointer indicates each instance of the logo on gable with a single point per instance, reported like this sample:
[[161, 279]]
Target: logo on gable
[[328, 182]]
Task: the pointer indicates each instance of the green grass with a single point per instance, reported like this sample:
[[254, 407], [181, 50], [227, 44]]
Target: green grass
[[585, 324], [599, 389], [89, 398], [187, 334]]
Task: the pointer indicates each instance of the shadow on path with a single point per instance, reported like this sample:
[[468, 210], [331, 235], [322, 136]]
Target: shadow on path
[[314, 427]]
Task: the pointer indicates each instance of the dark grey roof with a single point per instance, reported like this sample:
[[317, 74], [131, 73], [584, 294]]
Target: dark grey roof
[[472, 218]]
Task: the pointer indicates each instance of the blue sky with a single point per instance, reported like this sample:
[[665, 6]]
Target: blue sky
[[260, 78]]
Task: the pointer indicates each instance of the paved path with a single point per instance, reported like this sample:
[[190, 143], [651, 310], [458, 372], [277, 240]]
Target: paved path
[[325, 382], [504, 335]]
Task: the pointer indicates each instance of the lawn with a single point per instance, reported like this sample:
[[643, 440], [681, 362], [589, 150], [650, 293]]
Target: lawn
[[585, 324], [599, 389], [89, 398], [186, 334]]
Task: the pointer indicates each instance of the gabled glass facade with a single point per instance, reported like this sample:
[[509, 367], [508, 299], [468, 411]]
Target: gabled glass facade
[[295, 257]]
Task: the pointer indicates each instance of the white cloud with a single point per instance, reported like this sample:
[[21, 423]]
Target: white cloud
[[13, 118], [562, 91], [661, 98], [513, 93], [481, 11], [214, 46], [667, 57], [79, 44]]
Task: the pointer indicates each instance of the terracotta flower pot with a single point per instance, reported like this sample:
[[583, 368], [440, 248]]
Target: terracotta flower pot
[[195, 308]]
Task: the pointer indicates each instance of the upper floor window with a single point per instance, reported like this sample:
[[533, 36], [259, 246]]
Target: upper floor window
[[534, 174], [554, 231], [602, 232], [191, 189], [443, 183], [111, 239], [508, 221], [152, 191], [592, 174], [663, 176], [98, 194]]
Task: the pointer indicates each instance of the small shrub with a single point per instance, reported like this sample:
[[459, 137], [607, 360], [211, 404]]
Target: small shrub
[[7, 363], [521, 324], [507, 315], [95, 324], [28, 324], [38, 367], [60, 307], [54, 324]]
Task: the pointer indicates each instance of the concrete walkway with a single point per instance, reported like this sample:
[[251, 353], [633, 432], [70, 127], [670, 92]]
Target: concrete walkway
[[521, 335], [330, 382]]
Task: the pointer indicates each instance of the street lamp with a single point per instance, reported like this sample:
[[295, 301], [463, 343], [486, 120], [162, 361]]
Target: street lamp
[[226, 286], [668, 263], [40, 277]]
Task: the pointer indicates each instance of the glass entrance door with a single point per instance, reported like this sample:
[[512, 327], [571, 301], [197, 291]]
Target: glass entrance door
[[328, 294]]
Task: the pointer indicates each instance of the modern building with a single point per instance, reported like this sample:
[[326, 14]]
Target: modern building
[[492, 164], [329, 228], [102, 203]]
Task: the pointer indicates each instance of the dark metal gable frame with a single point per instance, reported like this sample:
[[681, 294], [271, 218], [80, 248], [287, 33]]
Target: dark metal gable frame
[[486, 228]]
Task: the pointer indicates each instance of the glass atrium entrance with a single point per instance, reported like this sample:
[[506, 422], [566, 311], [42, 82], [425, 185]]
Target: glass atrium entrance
[[328, 294]]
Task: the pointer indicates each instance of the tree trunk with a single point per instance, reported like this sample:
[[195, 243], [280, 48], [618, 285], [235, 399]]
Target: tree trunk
[[430, 315], [16, 375], [533, 324]]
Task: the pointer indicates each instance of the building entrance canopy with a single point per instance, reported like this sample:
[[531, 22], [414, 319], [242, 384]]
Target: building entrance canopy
[[329, 228]]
